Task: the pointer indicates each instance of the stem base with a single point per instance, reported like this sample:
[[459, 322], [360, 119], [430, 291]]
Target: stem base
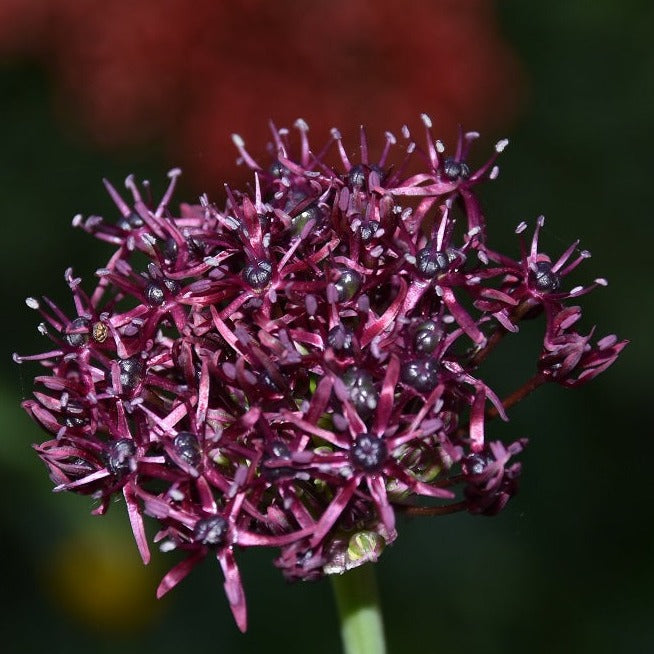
[[357, 600]]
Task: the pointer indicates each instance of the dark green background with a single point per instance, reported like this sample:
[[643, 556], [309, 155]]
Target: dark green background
[[567, 567]]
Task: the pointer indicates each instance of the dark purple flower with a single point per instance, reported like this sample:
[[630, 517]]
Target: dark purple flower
[[568, 357], [293, 368], [490, 482]]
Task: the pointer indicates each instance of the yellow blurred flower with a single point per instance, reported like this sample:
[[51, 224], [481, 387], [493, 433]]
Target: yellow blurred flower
[[97, 576]]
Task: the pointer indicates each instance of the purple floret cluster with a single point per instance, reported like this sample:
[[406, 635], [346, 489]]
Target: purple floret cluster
[[294, 368]]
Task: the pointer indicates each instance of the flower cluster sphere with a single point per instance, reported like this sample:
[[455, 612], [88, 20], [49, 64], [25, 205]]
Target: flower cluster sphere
[[295, 368]]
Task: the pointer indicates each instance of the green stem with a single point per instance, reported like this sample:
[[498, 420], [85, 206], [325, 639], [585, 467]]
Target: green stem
[[357, 599]]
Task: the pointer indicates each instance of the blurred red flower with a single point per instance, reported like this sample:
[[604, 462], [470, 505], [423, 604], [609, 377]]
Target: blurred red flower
[[190, 74]]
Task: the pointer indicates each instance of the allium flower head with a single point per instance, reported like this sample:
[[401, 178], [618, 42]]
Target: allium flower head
[[293, 368]]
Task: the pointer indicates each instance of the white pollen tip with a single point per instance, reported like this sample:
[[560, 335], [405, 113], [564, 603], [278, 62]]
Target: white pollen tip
[[174, 172], [521, 227], [390, 137], [411, 147], [576, 290], [237, 140], [336, 134], [585, 254], [440, 147], [601, 281], [471, 136], [301, 124], [32, 302], [426, 120], [17, 358], [541, 221], [501, 145], [494, 173], [77, 220], [405, 132]]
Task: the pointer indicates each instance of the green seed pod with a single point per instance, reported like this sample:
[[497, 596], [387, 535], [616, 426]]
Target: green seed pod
[[364, 547]]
